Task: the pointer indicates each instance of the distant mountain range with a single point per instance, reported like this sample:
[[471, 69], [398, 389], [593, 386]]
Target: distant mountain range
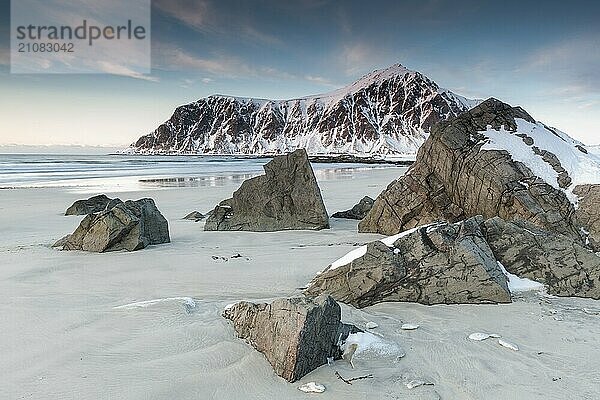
[[387, 112]]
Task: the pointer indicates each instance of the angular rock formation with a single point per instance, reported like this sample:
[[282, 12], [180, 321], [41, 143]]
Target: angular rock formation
[[561, 263], [130, 225], [286, 197], [195, 216], [493, 160], [296, 335], [439, 263], [587, 214], [358, 211], [459, 263], [385, 112], [92, 205]]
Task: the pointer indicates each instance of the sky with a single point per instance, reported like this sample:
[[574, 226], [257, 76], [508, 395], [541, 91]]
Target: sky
[[541, 55]]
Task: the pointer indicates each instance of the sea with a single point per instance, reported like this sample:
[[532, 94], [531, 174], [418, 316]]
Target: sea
[[123, 173]]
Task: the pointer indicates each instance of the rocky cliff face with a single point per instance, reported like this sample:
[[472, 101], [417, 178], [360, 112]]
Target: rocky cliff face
[[494, 160], [388, 111]]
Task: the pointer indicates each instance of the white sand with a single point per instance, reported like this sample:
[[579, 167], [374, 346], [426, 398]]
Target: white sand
[[64, 334]]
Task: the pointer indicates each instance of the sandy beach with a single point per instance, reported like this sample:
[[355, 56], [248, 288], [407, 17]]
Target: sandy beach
[[148, 325]]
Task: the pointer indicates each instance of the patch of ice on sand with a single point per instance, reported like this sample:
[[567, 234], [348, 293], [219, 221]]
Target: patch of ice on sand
[[409, 327], [416, 383], [312, 387], [479, 336], [508, 345], [188, 302], [368, 343]]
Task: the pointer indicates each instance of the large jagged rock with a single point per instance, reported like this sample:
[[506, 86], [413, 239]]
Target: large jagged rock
[[459, 174], [561, 263], [460, 263], [130, 225], [587, 214], [296, 335], [89, 206], [358, 211], [286, 197], [439, 263]]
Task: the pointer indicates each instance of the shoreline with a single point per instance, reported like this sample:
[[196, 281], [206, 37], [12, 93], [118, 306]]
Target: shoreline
[[315, 158]]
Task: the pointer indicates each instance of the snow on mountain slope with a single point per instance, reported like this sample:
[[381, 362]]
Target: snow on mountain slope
[[386, 112], [550, 154]]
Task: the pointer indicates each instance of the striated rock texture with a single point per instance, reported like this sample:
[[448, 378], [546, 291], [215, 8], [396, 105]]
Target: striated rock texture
[[460, 263], [493, 160], [296, 335], [286, 197], [92, 205], [440, 263], [388, 111], [565, 266], [587, 214], [130, 225], [358, 211]]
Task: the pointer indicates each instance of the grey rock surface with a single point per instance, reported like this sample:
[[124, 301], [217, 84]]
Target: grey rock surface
[[296, 335], [453, 179], [89, 206], [358, 211], [441, 263], [587, 214], [561, 263], [286, 197], [130, 225], [195, 216], [462, 263]]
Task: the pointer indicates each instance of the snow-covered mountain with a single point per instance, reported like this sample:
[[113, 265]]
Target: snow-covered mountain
[[387, 112]]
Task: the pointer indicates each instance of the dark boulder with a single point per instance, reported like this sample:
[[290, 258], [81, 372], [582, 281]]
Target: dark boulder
[[296, 335], [454, 178], [89, 206], [564, 265], [286, 197], [358, 211], [130, 225], [440, 263]]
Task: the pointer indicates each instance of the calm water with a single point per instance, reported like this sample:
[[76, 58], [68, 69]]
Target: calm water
[[113, 173]]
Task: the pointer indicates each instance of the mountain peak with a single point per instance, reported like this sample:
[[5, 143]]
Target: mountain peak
[[387, 111]]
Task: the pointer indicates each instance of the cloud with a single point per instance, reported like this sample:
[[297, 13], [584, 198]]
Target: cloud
[[117, 69], [197, 14], [358, 57], [573, 63], [225, 66], [320, 80], [206, 17]]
